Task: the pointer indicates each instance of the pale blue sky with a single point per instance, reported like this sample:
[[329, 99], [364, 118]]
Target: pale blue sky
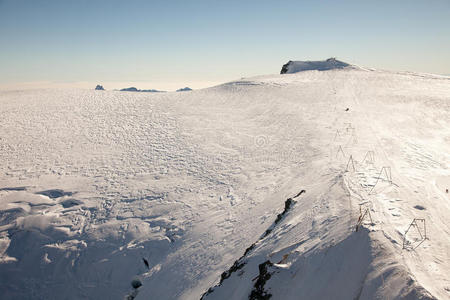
[[167, 44]]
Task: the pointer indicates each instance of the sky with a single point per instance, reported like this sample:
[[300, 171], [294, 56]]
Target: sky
[[198, 43]]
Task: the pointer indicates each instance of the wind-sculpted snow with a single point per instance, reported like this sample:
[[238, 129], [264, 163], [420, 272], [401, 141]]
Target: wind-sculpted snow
[[93, 185]]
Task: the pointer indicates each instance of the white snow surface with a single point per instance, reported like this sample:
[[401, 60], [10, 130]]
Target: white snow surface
[[93, 183]]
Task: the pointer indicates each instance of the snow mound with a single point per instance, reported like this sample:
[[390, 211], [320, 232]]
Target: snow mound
[[319, 65]]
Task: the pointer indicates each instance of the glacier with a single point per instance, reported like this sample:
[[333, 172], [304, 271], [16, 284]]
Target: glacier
[[186, 193]]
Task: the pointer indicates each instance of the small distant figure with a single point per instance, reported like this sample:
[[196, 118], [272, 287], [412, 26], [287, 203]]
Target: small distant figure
[[446, 190], [146, 263], [347, 109]]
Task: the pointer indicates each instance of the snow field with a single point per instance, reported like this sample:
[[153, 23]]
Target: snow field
[[188, 181]]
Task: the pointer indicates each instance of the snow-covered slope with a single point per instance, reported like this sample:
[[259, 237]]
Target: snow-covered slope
[[95, 185]]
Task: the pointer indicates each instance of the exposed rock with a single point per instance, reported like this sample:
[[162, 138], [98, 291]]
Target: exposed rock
[[258, 292], [319, 65], [133, 89], [185, 89], [99, 88], [130, 89]]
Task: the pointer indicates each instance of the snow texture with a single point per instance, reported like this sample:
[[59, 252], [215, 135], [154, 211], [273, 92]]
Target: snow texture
[[102, 191]]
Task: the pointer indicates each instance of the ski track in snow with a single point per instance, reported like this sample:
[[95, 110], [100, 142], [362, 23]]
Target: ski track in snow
[[94, 182]]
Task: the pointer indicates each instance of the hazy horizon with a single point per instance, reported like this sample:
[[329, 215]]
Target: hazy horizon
[[167, 46]]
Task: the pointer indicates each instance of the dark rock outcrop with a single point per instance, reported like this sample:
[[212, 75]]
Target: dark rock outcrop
[[258, 292], [185, 89], [319, 65], [130, 89], [133, 89], [99, 88]]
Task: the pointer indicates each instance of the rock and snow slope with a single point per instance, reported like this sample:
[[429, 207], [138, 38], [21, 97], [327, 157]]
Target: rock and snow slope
[[319, 65], [93, 183]]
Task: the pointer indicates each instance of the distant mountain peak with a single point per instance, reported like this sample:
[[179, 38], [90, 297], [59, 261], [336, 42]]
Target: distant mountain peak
[[130, 89], [319, 65], [133, 89], [185, 89], [99, 88]]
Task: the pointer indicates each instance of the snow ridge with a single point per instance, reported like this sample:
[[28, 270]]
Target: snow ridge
[[240, 263]]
